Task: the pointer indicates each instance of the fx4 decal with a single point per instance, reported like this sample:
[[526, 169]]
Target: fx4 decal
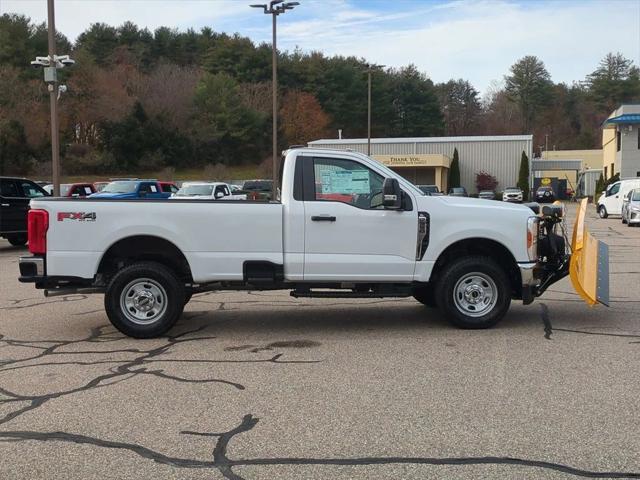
[[80, 216]]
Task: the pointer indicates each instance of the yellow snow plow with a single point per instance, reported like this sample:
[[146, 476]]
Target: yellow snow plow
[[589, 265], [586, 262]]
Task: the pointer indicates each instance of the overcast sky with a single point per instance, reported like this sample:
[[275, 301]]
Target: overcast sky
[[475, 40]]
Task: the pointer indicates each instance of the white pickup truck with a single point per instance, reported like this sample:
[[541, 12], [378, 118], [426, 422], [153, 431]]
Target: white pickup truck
[[346, 226]]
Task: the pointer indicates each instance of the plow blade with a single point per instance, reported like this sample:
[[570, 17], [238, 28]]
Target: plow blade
[[589, 267]]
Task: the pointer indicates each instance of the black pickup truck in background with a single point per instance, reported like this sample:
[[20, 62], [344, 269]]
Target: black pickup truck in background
[[15, 195]]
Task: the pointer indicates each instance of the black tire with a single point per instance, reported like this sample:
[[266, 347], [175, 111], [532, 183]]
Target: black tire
[[602, 211], [623, 221], [481, 275], [159, 290], [17, 239], [426, 296]]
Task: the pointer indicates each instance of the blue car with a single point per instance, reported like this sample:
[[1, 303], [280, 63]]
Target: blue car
[[123, 189]]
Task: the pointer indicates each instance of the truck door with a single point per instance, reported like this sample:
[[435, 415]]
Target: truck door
[[150, 190], [349, 235]]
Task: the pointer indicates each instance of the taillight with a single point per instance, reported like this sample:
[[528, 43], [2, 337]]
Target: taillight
[[38, 224], [532, 238]]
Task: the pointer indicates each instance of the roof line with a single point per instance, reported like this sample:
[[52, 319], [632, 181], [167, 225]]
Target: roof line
[[476, 138]]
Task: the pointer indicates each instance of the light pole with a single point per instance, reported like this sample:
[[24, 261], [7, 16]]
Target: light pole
[[275, 8], [370, 69], [50, 65]]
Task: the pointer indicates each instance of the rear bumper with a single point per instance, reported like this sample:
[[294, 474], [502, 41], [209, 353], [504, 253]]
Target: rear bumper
[[31, 269]]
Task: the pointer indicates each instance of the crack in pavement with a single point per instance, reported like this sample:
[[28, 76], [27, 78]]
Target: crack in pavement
[[225, 465], [125, 369]]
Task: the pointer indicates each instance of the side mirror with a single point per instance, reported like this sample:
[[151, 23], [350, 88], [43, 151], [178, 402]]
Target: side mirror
[[391, 194], [219, 195], [142, 193]]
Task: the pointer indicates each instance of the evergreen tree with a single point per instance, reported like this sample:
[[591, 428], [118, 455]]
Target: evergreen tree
[[599, 185], [454, 171], [529, 86], [523, 177]]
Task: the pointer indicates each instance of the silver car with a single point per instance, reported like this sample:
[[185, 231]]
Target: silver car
[[512, 194], [631, 208]]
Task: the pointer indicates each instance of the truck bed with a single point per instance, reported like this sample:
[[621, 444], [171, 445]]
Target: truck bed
[[215, 237]]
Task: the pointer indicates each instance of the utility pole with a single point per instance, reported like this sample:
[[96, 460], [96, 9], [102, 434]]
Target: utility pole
[[53, 101], [50, 65], [275, 8], [369, 72]]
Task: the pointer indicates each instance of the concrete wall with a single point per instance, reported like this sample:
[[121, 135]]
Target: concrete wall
[[497, 155], [626, 159]]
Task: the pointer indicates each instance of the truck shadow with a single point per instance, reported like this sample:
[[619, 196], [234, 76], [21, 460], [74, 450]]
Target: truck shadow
[[347, 317]]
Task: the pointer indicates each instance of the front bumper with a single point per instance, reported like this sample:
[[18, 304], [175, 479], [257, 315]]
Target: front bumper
[[528, 274]]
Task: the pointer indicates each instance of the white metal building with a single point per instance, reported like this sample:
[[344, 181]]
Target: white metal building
[[426, 160]]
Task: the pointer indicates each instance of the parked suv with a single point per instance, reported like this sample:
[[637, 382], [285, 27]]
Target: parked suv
[[545, 195], [15, 195]]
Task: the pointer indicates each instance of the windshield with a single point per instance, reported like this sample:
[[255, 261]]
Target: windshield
[[120, 187], [511, 190], [195, 190], [429, 188]]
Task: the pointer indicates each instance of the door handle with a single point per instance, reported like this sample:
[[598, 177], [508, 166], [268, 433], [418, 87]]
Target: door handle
[[323, 218]]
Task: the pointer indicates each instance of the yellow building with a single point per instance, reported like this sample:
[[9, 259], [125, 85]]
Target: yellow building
[[608, 152], [420, 169], [591, 160]]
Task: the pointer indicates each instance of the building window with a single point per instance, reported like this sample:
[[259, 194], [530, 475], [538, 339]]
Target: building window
[[639, 138], [618, 139], [613, 170], [605, 173]]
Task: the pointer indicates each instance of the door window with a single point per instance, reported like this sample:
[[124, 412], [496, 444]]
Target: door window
[[8, 188], [31, 190], [219, 190], [347, 181], [148, 188]]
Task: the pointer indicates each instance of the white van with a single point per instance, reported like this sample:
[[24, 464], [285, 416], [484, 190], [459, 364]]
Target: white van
[[610, 202]]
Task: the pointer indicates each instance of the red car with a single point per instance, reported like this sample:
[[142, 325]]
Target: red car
[[73, 189], [168, 187]]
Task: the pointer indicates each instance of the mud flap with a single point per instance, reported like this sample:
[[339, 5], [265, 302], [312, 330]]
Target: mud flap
[[589, 267]]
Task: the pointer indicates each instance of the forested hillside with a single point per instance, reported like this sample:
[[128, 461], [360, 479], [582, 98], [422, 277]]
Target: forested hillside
[[146, 100]]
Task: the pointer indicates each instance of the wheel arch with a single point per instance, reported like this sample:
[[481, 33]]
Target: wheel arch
[[138, 248], [485, 247]]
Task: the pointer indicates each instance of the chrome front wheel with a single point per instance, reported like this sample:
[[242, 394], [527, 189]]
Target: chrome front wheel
[[475, 294]]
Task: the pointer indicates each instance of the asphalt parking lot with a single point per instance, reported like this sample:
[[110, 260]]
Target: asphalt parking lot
[[264, 386]]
